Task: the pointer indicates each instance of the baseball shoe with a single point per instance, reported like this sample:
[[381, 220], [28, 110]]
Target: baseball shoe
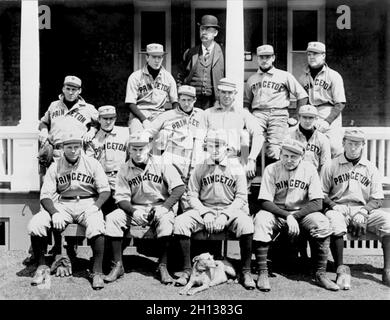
[[343, 279], [386, 277], [322, 280], [116, 272], [40, 275], [183, 277], [97, 281], [164, 275], [263, 281], [247, 280]]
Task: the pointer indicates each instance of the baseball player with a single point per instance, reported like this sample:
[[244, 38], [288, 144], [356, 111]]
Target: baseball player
[[291, 197], [146, 192], [149, 89], [353, 197], [267, 96], [219, 200], [69, 113], [326, 91], [204, 65], [81, 187], [109, 147], [317, 144], [183, 133], [224, 115]]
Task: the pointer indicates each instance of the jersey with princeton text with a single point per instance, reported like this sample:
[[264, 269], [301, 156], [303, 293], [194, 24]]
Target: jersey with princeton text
[[326, 89], [60, 119], [290, 190], [345, 183], [110, 149], [233, 121], [178, 130], [149, 186], [219, 185], [84, 178], [148, 93], [317, 148], [272, 89]]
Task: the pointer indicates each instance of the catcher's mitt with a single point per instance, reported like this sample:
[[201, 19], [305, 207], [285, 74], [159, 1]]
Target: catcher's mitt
[[45, 155], [357, 229], [62, 266]]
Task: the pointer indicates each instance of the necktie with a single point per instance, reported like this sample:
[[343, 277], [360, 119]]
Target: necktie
[[207, 54]]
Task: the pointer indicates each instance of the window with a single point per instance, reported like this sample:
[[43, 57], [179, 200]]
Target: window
[[152, 32], [253, 29]]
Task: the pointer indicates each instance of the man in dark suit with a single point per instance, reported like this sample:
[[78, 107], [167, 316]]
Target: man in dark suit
[[204, 65]]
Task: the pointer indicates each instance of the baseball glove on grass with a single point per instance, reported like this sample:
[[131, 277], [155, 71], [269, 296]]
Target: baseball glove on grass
[[62, 266]]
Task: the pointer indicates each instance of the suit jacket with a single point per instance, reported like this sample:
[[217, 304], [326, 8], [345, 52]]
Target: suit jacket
[[190, 59]]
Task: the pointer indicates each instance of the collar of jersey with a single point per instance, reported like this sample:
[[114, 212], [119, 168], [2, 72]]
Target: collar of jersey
[[363, 160], [324, 68], [145, 71], [270, 71], [219, 107], [80, 102], [68, 164], [178, 110], [211, 162], [132, 165], [113, 132]]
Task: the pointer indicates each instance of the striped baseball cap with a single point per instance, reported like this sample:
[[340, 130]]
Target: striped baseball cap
[[294, 146], [308, 110], [139, 139], [316, 46], [73, 81], [107, 111], [227, 84], [354, 134]]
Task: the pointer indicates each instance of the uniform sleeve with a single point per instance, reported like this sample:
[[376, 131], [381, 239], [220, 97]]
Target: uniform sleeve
[[46, 117], [131, 89], [156, 125], [101, 180], [241, 196], [315, 188], [325, 151], [248, 95], [257, 136], [295, 88], [326, 178], [338, 91], [94, 113], [122, 188], [172, 177], [194, 187], [267, 188], [172, 90], [49, 187], [376, 185]]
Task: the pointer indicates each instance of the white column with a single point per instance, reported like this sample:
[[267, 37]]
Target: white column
[[29, 65], [235, 45]]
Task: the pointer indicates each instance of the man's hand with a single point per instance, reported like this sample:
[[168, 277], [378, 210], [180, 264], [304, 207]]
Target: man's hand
[[89, 135], [208, 220], [293, 227], [358, 223], [341, 208], [251, 168], [140, 217], [43, 136], [159, 212], [220, 223], [322, 125], [58, 221], [146, 124]]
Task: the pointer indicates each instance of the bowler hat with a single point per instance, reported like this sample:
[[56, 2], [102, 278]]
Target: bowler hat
[[209, 21]]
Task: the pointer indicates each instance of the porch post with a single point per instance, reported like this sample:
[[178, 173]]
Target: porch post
[[235, 45]]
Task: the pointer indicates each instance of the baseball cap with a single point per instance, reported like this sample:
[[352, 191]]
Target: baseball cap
[[71, 137], [139, 139], [216, 136], [155, 49], [308, 110], [316, 46], [294, 146], [354, 134], [265, 50], [227, 84], [187, 90], [73, 81], [107, 111], [209, 21]]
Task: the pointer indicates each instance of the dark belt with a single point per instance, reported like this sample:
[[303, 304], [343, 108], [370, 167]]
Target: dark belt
[[77, 197]]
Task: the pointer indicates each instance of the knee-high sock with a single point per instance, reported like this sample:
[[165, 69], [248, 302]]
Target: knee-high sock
[[116, 247], [246, 251], [386, 251], [39, 246], [57, 239], [337, 249], [320, 254], [185, 247], [97, 244], [261, 253], [163, 246]]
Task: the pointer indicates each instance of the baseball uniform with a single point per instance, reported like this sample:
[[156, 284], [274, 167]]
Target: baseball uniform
[[268, 95], [77, 187], [144, 189], [150, 95], [354, 186]]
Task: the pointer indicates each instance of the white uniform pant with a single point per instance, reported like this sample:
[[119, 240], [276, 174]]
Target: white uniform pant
[[378, 221], [189, 222], [266, 224], [335, 132], [118, 221], [72, 211]]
